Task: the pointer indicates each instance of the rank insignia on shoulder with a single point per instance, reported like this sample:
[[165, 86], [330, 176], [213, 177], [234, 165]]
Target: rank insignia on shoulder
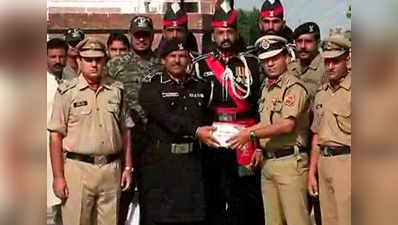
[[148, 78]]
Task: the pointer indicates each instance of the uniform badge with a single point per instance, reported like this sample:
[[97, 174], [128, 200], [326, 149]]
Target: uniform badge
[[79, 104], [180, 46], [271, 13], [311, 28], [175, 23], [289, 100], [265, 44], [141, 22]]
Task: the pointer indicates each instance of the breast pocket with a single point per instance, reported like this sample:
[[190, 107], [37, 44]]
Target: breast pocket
[[342, 114], [276, 110], [113, 107]]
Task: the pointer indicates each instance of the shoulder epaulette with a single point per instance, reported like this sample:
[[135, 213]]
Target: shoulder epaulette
[[200, 58], [292, 80], [150, 77], [67, 85]]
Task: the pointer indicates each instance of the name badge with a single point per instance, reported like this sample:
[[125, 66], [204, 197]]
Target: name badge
[[170, 94], [79, 104]]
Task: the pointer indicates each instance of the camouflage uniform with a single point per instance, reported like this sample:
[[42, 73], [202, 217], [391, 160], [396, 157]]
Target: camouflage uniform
[[130, 69]]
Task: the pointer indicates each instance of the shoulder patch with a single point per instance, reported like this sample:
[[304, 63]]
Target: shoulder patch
[[67, 85], [152, 76]]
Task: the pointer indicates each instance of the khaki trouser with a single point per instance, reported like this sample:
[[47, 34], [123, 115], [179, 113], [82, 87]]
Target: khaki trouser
[[284, 188], [335, 189], [94, 193]]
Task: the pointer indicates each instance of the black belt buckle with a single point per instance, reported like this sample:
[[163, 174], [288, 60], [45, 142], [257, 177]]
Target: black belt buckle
[[226, 117]]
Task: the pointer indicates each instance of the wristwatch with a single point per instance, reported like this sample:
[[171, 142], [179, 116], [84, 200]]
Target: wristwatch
[[253, 136]]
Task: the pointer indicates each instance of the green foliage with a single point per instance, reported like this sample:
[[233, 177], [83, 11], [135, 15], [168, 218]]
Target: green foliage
[[248, 25], [349, 12]]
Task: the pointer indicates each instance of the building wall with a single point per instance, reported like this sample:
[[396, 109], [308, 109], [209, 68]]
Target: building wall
[[98, 17]]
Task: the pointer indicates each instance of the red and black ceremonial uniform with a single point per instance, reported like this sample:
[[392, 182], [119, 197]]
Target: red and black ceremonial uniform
[[170, 166], [233, 192], [176, 16]]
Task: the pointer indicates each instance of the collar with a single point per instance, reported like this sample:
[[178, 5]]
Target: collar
[[278, 81], [82, 82], [345, 83], [316, 62]]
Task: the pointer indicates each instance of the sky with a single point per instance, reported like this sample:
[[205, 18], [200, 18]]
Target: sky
[[326, 13]]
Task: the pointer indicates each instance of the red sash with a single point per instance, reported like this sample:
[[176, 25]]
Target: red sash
[[243, 156]]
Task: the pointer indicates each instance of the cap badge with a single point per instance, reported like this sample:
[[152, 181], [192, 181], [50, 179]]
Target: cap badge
[[225, 23], [141, 22], [271, 13], [180, 46], [265, 44], [175, 7], [225, 6], [311, 28]]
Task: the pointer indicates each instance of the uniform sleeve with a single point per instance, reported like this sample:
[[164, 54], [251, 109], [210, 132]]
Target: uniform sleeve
[[59, 116], [156, 109], [126, 118], [295, 102], [317, 116]]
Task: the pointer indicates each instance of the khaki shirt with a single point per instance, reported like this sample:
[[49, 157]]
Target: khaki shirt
[[313, 76], [332, 114], [285, 98], [90, 121]]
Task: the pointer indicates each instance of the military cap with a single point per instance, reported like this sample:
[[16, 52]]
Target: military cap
[[225, 15], [169, 45], [335, 46], [74, 35], [270, 45], [175, 16], [272, 8], [91, 48], [306, 28], [141, 23]]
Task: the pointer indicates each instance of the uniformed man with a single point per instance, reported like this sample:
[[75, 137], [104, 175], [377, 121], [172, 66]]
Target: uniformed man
[[331, 144], [233, 188], [176, 105], [271, 20], [86, 128], [130, 70], [72, 37], [175, 26], [56, 58], [311, 70], [283, 107], [310, 67], [117, 44]]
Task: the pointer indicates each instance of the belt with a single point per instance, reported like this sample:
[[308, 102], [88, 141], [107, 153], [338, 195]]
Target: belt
[[231, 116], [183, 148], [329, 151], [93, 159], [279, 153]]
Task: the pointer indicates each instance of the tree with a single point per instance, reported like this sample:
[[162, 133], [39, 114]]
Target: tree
[[248, 25]]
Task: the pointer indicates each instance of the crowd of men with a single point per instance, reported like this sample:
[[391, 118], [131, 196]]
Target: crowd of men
[[235, 136]]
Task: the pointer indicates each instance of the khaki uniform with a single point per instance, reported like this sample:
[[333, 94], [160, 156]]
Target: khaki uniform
[[284, 180], [91, 123], [332, 123], [313, 76]]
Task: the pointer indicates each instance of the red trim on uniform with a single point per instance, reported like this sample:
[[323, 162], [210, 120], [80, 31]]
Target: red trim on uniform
[[180, 21], [225, 23], [276, 12], [243, 156]]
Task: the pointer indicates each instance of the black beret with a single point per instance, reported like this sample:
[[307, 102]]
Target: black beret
[[168, 45], [306, 28]]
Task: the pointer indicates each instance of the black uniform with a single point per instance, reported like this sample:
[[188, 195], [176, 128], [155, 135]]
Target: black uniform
[[170, 170], [233, 198]]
